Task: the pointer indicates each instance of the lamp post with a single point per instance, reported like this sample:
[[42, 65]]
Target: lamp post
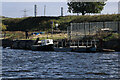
[[56, 26]]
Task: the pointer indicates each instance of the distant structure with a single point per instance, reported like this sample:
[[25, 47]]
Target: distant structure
[[119, 7], [25, 12], [44, 10], [35, 10], [61, 11]]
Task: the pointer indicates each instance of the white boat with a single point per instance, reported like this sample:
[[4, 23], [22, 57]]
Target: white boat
[[43, 45]]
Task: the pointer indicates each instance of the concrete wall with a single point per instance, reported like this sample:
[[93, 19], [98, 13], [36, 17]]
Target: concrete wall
[[6, 42], [22, 44]]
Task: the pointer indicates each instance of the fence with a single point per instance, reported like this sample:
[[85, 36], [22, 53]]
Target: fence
[[80, 30]]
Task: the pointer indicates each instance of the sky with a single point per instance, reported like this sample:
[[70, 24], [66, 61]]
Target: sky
[[49, 0], [15, 8]]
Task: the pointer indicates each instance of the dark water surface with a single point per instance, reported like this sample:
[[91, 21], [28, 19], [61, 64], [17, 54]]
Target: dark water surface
[[36, 64]]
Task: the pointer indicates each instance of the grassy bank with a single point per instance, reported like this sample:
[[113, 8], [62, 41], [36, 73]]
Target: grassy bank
[[45, 23], [17, 26], [21, 35]]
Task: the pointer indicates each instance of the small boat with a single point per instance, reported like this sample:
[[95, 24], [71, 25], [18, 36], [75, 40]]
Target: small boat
[[62, 49], [43, 45], [108, 50], [85, 49]]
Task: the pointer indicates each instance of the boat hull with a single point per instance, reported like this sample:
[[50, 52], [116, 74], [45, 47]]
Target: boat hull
[[42, 48], [90, 49], [62, 49]]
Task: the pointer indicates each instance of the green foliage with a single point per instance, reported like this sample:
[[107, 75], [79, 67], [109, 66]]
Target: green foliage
[[45, 23], [3, 27], [97, 18], [113, 36], [85, 7]]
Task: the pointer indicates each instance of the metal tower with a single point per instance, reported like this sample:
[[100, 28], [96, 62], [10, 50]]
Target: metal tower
[[35, 10]]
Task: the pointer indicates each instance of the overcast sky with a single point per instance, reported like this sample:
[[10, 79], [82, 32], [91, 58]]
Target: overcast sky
[[13, 8]]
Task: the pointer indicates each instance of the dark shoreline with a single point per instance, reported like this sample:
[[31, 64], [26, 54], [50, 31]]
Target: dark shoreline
[[26, 44]]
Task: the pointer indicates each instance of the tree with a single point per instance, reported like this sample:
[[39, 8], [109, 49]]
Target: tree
[[3, 27], [85, 7]]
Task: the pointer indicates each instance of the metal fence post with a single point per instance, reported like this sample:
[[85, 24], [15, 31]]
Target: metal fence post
[[103, 24], [70, 33], [89, 28], [84, 30], [118, 27]]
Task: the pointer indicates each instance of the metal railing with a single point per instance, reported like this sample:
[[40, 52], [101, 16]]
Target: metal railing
[[80, 30]]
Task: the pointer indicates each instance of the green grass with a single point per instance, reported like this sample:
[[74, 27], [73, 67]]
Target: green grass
[[21, 36], [45, 23], [14, 35], [113, 36], [54, 38]]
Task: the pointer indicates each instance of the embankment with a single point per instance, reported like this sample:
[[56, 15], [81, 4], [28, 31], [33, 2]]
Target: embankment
[[112, 44], [26, 44], [44, 23]]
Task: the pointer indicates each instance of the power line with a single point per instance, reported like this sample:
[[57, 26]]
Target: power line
[[119, 7], [25, 12], [44, 10]]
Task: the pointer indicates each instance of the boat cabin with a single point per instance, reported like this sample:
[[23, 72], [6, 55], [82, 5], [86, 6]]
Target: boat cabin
[[47, 42]]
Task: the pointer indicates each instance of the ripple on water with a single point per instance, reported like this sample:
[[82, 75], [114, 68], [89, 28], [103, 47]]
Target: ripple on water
[[33, 64]]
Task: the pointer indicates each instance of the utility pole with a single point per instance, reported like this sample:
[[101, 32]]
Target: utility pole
[[119, 7], [61, 11], [35, 10], [25, 12], [44, 10]]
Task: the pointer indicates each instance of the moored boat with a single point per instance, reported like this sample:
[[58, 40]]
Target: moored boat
[[85, 49], [43, 45]]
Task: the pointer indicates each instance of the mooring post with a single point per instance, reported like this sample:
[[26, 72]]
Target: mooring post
[[94, 42], [91, 42], [103, 24], [89, 28], [78, 43], [82, 43], [87, 43], [57, 44], [74, 43], [62, 43]]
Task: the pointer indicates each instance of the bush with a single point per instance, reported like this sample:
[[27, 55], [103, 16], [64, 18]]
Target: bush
[[45, 23]]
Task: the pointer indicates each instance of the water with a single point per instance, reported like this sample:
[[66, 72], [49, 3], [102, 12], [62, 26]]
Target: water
[[36, 64]]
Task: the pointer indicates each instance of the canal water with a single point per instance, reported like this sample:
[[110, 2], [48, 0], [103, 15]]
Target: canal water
[[37, 64]]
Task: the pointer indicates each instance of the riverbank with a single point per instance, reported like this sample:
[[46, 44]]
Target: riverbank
[[45, 22], [109, 40], [20, 35], [107, 46]]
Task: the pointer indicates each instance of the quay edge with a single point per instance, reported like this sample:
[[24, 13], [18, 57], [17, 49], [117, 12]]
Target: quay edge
[[108, 46]]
